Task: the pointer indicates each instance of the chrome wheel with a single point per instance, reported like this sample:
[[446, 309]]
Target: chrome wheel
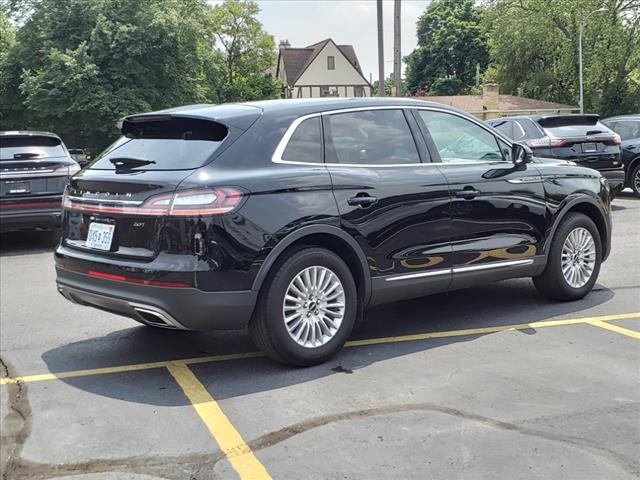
[[313, 307], [578, 257], [636, 180]]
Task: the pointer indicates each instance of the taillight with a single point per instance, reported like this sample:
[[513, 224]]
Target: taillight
[[546, 142], [67, 169], [616, 140], [195, 202], [211, 201]]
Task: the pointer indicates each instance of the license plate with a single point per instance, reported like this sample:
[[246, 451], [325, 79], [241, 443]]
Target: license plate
[[100, 236], [589, 148], [19, 187]]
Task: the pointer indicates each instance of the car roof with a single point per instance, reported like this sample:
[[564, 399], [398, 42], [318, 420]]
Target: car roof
[[27, 133], [631, 116], [297, 107]]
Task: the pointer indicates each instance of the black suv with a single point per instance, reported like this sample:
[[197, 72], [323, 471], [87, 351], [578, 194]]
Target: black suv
[[34, 169], [628, 127], [580, 138], [292, 217]]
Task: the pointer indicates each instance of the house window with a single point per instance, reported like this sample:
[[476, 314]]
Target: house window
[[359, 91], [331, 63]]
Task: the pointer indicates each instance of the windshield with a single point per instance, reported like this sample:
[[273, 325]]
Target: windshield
[[167, 144], [30, 147]]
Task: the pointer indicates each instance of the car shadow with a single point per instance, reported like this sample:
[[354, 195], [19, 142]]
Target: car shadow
[[499, 304], [28, 242]]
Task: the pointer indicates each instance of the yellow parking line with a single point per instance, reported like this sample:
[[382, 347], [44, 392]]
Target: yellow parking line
[[483, 330], [229, 440], [352, 343], [617, 329]]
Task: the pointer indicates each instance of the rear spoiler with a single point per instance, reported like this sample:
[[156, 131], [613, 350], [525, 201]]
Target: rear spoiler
[[566, 120]]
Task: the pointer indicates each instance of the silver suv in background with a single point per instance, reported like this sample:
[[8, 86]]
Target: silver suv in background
[[35, 167]]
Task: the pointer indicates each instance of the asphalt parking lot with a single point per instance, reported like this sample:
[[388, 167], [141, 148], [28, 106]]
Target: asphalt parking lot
[[491, 382]]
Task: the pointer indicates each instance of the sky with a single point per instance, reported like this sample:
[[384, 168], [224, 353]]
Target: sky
[[347, 22]]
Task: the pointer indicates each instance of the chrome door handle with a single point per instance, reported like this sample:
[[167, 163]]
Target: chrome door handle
[[467, 193], [362, 201]]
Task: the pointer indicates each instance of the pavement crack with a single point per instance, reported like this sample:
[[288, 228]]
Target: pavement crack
[[290, 431], [16, 425]]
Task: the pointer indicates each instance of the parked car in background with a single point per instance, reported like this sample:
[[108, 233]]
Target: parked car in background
[[34, 169], [579, 138], [80, 156], [293, 216], [628, 127]]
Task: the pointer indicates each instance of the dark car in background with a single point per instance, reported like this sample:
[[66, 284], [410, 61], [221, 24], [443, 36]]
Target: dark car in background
[[579, 138], [34, 169], [294, 216], [628, 127]]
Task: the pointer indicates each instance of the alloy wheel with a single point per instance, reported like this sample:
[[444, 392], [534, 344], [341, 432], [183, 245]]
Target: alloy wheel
[[578, 257], [314, 306]]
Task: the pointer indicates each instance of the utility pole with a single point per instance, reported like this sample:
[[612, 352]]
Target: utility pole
[[580, 33], [397, 59], [380, 51]]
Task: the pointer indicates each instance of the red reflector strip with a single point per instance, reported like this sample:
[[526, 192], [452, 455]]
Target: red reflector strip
[[122, 278], [31, 204]]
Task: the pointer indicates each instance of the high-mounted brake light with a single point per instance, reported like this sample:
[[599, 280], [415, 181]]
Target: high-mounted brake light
[[194, 202]]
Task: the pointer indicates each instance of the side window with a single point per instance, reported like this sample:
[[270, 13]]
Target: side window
[[627, 130], [460, 140], [518, 132], [305, 145], [505, 127], [371, 137]]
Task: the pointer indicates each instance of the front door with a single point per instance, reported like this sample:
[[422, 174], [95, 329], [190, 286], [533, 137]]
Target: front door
[[498, 211], [391, 199]]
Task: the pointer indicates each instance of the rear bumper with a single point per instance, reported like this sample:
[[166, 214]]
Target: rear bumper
[[38, 212], [177, 308]]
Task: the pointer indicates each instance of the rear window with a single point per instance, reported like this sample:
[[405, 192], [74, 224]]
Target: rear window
[[576, 130], [162, 143], [30, 147]]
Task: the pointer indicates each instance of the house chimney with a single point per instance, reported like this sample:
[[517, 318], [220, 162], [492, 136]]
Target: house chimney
[[490, 99], [284, 44]]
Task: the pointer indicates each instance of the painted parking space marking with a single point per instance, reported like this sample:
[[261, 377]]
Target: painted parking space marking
[[242, 459], [352, 343], [615, 328]]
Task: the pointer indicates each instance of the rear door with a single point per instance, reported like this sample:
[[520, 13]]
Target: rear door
[[391, 199], [497, 209], [125, 193]]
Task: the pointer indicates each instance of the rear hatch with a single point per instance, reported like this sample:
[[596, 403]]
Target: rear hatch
[[117, 206], [32, 166], [582, 139]]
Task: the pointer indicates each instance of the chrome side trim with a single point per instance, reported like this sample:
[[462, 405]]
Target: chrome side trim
[[432, 273], [525, 180], [282, 145], [471, 268], [489, 266]]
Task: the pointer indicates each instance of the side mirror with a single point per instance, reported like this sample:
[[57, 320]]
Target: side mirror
[[521, 154]]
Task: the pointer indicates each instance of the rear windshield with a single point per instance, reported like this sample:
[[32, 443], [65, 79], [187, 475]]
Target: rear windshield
[[30, 147], [163, 143], [577, 130]]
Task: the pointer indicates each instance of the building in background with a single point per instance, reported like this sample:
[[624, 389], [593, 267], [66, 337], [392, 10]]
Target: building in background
[[323, 69], [493, 105]]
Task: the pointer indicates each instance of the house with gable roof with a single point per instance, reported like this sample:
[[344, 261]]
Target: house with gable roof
[[323, 69]]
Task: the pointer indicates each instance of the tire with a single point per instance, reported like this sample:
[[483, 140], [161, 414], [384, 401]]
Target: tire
[[268, 328], [634, 181], [552, 282]]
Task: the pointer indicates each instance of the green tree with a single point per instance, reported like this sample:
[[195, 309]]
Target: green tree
[[77, 66], [247, 52], [451, 43], [534, 45]]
